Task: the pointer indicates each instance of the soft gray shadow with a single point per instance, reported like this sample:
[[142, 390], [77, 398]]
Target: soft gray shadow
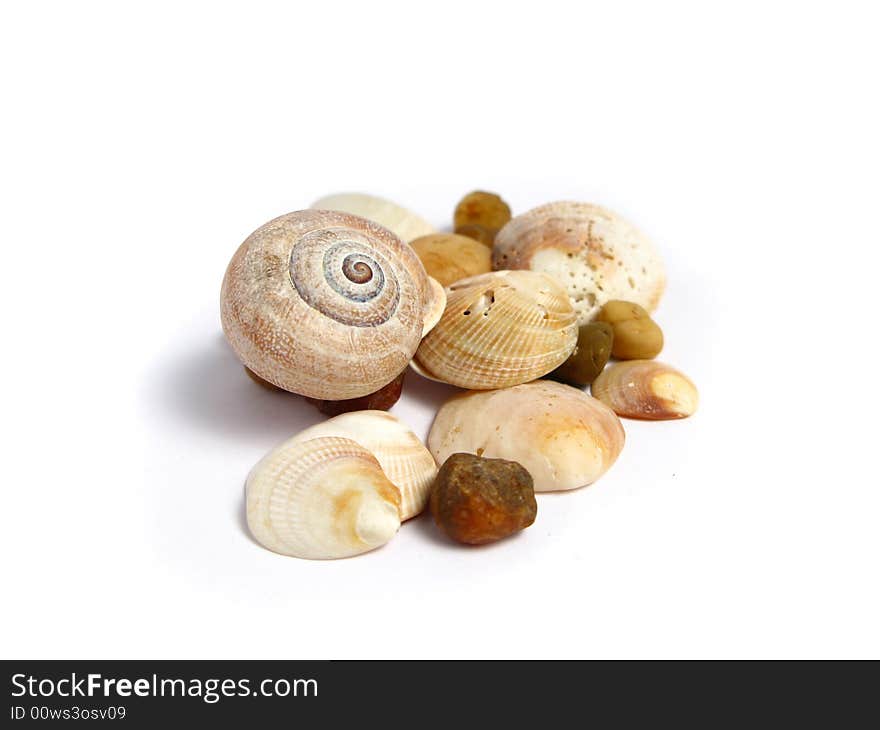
[[428, 392], [241, 519], [423, 525], [209, 389]]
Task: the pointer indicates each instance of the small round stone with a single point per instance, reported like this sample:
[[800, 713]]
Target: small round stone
[[485, 211], [477, 500], [589, 356], [484, 235], [381, 400], [449, 257], [636, 335]]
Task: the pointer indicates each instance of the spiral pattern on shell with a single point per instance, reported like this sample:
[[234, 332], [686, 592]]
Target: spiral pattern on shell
[[338, 272], [326, 304]]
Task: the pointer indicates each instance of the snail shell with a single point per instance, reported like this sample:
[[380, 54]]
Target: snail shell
[[400, 453], [646, 389], [326, 304], [592, 251], [405, 224], [562, 436], [321, 498], [499, 329]]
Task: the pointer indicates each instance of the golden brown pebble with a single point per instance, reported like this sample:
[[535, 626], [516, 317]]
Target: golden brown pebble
[[449, 257], [481, 215], [477, 500]]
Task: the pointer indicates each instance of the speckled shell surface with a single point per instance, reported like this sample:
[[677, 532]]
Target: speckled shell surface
[[592, 251], [499, 329], [322, 498], [402, 456], [562, 436], [402, 222], [325, 304]]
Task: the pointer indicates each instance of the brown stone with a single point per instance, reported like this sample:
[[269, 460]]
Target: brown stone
[[381, 400], [481, 215], [477, 500], [484, 235]]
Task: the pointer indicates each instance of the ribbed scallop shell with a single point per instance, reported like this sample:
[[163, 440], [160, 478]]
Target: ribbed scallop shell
[[562, 436], [499, 329], [322, 498], [646, 389], [326, 304], [593, 252], [402, 456], [405, 224]]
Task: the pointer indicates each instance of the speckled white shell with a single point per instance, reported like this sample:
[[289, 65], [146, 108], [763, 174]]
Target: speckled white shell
[[562, 436], [405, 224], [326, 304], [321, 498], [402, 456], [593, 252], [499, 329]]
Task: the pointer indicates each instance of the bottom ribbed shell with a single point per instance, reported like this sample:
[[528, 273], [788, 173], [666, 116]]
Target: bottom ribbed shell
[[402, 456], [321, 498]]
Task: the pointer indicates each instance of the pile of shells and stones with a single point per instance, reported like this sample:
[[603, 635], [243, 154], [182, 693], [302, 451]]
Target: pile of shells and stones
[[335, 302]]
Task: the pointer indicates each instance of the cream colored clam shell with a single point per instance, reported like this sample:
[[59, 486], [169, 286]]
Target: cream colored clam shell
[[326, 304], [405, 224], [322, 498], [499, 329], [402, 456], [564, 438], [592, 251], [435, 306], [646, 389]]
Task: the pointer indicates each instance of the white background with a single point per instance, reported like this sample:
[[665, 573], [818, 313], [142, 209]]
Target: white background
[[141, 143]]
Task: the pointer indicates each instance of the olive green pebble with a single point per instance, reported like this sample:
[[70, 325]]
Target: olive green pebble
[[636, 335], [589, 356]]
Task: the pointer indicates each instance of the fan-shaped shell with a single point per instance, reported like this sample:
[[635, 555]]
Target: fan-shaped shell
[[592, 251], [321, 498], [646, 389], [562, 436], [402, 456], [405, 224], [326, 304], [499, 329]]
